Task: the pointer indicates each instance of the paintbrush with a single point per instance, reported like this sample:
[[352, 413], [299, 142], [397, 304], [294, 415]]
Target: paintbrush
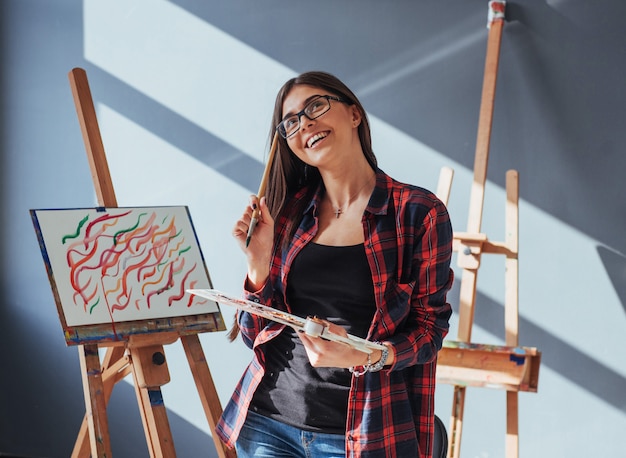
[[262, 187]]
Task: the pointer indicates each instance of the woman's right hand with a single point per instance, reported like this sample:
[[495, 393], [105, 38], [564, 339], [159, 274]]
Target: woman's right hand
[[259, 250]]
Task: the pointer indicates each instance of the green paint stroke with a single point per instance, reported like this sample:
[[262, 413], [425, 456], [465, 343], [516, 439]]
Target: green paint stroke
[[73, 236], [176, 235], [123, 231], [93, 306]]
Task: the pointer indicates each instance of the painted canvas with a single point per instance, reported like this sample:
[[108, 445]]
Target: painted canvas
[[116, 265]]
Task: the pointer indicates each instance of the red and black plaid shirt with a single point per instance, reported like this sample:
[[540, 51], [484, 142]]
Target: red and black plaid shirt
[[408, 241]]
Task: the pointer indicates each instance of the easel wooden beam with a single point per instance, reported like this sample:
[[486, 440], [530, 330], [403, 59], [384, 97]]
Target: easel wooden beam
[[112, 373], [511, 298], [95, 403], [489, 366], [507, 367], [444, 185], [481, 159], [461, 363], [92, 138], [142, 354], [485, 123], [511, 306], [150, 373], [91, 372]]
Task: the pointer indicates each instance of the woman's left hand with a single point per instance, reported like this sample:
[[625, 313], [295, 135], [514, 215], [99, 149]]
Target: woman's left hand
[[326, 353]]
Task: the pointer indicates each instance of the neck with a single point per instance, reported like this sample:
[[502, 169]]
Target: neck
[[342, 193]]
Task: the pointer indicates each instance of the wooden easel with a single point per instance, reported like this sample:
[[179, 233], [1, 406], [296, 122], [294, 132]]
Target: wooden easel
[[141, 354], [463, 363]]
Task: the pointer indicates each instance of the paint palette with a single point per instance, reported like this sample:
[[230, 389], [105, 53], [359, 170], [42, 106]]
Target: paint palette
[[311, 326]]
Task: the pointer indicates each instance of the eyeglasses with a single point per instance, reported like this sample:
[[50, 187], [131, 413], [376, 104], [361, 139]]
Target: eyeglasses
[[314, 109]]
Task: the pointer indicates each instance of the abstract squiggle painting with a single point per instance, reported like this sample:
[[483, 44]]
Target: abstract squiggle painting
[[123, 264]]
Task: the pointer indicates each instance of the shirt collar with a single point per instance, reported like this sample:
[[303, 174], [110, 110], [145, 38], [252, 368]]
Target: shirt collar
[[379, 202]]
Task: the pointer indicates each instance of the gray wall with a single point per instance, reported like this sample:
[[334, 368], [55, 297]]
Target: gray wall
[[184, 93]]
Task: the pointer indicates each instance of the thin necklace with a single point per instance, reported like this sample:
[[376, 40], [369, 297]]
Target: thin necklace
[[338, 210]]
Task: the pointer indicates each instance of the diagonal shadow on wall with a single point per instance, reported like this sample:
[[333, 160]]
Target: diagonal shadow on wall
[[615, 265], [176, 130]]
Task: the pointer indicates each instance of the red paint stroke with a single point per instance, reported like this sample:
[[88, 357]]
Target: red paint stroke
[[133, 262], [197, 299], [182, 289], [168, 285]]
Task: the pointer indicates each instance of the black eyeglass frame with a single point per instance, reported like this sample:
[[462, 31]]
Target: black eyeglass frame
[[281, 128]]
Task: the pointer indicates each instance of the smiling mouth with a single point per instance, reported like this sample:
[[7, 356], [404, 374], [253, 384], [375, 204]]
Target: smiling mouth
[[316, 138]]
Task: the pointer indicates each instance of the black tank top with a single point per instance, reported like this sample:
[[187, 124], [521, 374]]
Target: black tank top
[[333, 283]]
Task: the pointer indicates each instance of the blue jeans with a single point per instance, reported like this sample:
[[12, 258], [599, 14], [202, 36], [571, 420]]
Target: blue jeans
[[262, 437]]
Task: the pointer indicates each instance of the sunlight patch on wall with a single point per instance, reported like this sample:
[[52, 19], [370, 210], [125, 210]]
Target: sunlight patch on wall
[[191, 67]]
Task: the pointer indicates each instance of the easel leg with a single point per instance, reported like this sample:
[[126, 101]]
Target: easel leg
[[206, 389], [155, 422], [467, 300], [93, 388], [150, 373], [511, 304], [115, 366], [511, 278], [512, 433], [456, 422]]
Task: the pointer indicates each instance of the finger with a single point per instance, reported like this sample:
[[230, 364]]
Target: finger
[[311, 343], [240, 227], [305, 338], [336, 329], [246, 218], [243, 223], [319, 345], [253, 203]]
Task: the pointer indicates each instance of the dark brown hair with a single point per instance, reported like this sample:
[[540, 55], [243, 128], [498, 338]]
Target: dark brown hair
[[288, 173]]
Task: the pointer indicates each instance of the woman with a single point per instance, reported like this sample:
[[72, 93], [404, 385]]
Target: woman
[[339, 239]]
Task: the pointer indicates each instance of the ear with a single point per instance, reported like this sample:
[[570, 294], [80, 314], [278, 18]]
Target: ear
[[356, 116]]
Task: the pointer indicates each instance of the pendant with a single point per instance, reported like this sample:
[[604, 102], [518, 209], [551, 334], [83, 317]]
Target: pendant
[[337, 212]]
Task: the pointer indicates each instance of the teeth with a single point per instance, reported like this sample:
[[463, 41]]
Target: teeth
[[315, 138]]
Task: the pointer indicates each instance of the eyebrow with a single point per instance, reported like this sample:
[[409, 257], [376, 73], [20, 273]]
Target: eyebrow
[[306, 102]]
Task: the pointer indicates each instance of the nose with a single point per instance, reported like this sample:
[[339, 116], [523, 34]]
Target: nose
[[304, 120]]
